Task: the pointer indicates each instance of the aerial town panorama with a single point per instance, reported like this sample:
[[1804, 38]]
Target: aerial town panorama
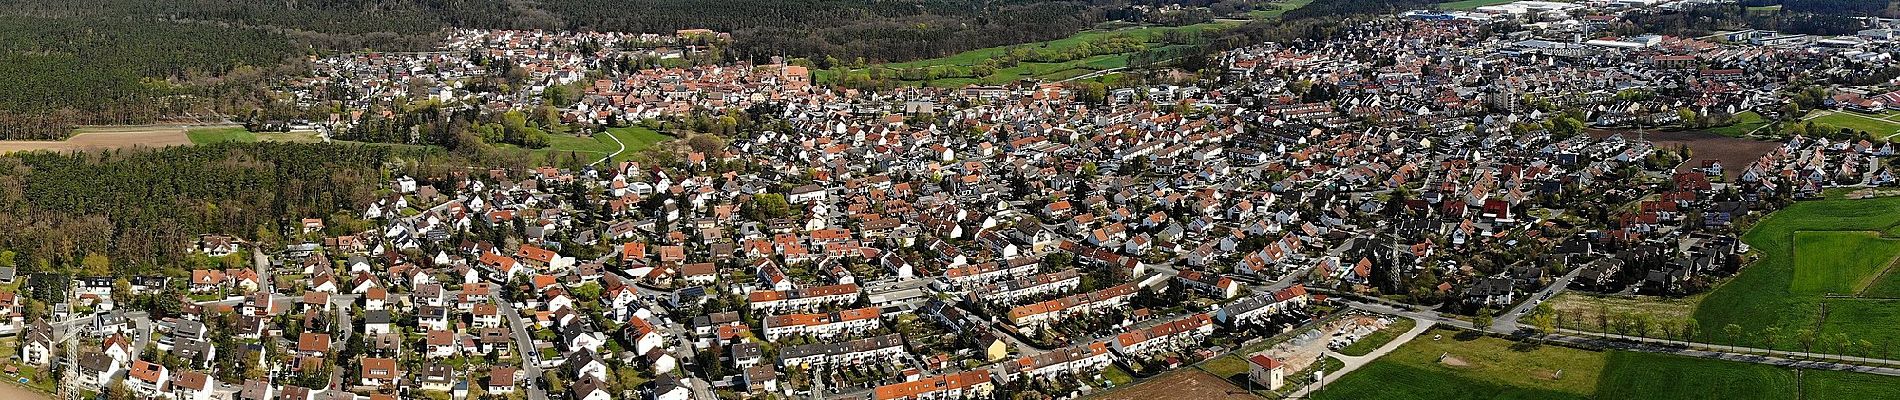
[[949, 199]]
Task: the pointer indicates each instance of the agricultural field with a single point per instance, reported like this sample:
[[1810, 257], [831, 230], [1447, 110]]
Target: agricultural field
[[1885, 287], [1632, 375], [1868, 320], [1848, 385], [1491, 368], [1784, 289], [114, 137], [1839, 262]]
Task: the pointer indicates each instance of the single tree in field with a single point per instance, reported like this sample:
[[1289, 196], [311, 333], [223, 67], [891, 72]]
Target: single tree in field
[[1806, 337], [1734, 333], [1773, 335], [1689, 329]]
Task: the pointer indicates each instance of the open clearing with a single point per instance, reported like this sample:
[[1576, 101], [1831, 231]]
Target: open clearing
[[1880, 125], [1579, 310], [1745, 122], [95, 138], [1439, 365], [600, 145], [1780, 292], [1734, 153], [1185, 383]]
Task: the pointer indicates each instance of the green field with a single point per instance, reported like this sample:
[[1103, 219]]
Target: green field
[[1863, 319], [1745, 122], [220, 135], [1481, 368], [1873, 124], [1470, 4], [955, 70], [1847, 385], [1490, 368], [1839, 262], [600, 145], [1885, 287], [1275, 13], [1778, 291], [1656, 376], [1379, 338]]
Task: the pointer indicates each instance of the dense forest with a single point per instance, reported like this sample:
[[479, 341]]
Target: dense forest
[[144, 209], [61, 72], [1814, 17]]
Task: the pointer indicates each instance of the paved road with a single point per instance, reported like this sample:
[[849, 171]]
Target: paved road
[[623, 148], [1508, 321], [1353, 363], [526, 345]]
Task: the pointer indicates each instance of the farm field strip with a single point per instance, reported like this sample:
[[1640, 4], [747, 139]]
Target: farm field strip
[[1491, 368], [1782, 292]]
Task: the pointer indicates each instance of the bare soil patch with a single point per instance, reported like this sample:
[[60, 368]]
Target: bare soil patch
[[1453, 361], [107, 138], [1734, 153], [1185, 383]]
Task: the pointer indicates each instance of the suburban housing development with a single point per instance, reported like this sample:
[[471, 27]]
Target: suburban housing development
[[1420, 178]]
